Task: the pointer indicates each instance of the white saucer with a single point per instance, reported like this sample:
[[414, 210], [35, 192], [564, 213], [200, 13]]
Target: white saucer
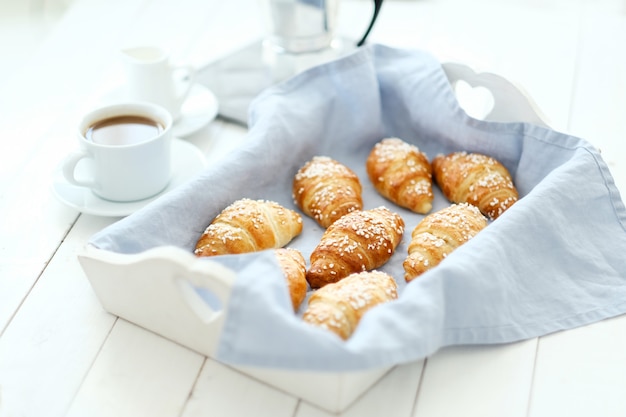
[[197, 111], [187, 160]]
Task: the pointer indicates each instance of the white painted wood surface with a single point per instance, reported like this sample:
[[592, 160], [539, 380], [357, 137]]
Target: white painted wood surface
[[61, 354]]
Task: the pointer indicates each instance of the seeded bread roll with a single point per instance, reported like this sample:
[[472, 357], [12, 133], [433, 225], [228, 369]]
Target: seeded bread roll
[[438, 234], [359, 241], [401, 173], [477, 179], [339, 307], [325, 190], [294, 267], [249, 226]]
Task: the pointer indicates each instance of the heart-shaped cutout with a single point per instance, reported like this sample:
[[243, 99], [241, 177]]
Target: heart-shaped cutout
[[477, 101], [202, 301]]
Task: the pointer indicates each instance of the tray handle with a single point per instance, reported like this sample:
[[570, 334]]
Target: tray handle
[[160, 288], [511, 102]]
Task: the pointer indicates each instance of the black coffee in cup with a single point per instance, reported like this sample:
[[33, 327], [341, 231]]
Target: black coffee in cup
[[123, 130]]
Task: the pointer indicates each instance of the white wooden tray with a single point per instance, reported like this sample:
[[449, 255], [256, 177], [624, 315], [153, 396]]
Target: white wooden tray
[[155, 289]]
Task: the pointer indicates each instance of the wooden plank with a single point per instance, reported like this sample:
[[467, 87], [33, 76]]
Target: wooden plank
[[582, 372], [33, 224], [63, 92], [60, 327], [479, 381], [222, 391], [400, 385], [599, 101], [137, 373], [29, 24], [52, 340], [36, 108]]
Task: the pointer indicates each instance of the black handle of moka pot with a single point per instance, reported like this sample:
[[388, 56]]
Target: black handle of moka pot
[[377, 5]]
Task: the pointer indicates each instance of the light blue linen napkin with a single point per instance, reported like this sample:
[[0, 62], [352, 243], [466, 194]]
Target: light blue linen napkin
[[553, 261]]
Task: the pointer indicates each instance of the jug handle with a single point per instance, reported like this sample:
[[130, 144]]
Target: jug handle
[[377, 5]]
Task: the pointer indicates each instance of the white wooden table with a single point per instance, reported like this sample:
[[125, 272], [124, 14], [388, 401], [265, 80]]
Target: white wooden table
[[62, 354]]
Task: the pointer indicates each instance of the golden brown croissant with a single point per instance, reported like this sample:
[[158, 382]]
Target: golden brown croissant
[[339, 307], [293, 265], [438, 234], [249, 226], [402, 173], [476, 179], [358, 241], [325, 190]]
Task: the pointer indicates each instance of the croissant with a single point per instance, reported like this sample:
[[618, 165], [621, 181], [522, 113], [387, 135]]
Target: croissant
[[438, 234], [476, 179], [293, 265], [339, 307], [358, 241], [249, 226], [402, 173], [325, 190]]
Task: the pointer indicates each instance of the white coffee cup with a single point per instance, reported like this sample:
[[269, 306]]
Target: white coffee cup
[[151, 78], [125, 152]]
